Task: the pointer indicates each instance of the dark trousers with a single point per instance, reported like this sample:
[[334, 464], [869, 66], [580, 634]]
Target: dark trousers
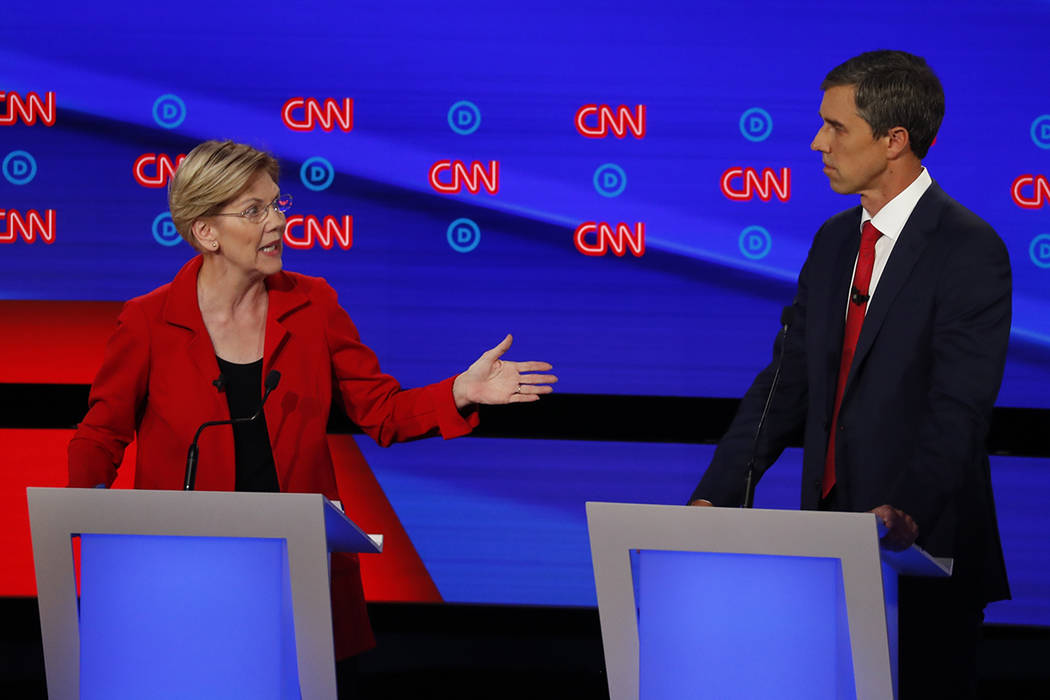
[[940, 631]]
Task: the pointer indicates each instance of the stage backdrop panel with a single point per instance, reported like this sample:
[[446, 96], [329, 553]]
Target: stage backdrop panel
[[629, 190]]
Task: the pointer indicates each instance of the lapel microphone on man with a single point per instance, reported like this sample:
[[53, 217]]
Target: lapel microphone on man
[[272, 378], [786, 317]]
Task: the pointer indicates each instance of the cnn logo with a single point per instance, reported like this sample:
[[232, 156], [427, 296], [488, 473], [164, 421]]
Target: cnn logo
[[597, 121], [28, 226], [742, 184], [308, 113], [154, 170], [28, 109], [1040, 191], [451, 176], [302, 232], [598, 238]]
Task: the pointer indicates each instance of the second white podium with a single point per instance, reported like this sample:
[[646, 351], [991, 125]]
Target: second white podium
[[733, 603]]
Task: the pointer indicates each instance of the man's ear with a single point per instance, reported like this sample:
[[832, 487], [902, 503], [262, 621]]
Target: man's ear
[[898, 142]]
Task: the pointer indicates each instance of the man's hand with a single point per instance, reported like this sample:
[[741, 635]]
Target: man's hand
[[901, 530]]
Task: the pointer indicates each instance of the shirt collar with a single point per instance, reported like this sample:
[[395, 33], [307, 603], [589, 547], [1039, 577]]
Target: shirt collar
[[891, 218]]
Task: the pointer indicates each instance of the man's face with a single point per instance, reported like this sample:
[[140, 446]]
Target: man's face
[[854, 160]]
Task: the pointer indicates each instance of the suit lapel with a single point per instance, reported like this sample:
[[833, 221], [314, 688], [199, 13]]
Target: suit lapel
[[284, 299], [906, 252], [183, 310], [844, 262]]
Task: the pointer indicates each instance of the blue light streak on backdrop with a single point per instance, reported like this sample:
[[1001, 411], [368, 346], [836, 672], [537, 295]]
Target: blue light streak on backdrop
[[694, 316], [503, 521], [694, 312]]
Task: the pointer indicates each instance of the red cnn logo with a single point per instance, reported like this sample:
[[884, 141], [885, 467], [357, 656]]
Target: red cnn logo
[[328, 233], [163, 168], [618, 121], [1040, 191], [29, 109], [27, 226], [605, 238], [473, 177], [306, 113], [764, 186]]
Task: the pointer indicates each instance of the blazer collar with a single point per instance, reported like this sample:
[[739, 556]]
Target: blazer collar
[[181, 309], [285, 298]]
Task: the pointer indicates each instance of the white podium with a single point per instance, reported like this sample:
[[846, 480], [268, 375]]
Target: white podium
[[733, 603], [188, 594]]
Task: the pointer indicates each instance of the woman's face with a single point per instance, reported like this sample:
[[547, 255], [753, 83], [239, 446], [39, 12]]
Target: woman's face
[[254, 248]]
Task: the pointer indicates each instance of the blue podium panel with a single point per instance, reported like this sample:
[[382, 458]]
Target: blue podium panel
[[185, 617], [779, 631]]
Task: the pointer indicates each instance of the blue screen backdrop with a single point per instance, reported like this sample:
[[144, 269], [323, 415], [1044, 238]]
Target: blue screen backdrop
[[725, 87]]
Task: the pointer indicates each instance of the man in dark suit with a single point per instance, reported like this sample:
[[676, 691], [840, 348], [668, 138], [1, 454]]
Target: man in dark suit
[[892, 364]]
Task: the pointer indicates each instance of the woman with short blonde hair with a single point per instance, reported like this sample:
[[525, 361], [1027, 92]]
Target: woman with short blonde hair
[[196, 349]]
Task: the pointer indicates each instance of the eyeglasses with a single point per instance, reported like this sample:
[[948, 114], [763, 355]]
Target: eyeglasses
[[256, 213]]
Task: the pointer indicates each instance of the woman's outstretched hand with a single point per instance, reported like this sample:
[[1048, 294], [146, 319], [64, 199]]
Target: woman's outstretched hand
[[491, 380]]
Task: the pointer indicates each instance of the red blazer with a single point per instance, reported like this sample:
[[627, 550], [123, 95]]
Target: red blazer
[[156, 380]]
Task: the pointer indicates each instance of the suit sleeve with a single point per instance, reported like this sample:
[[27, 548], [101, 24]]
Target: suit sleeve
[[723, 482], [970, 334], [374, 400], [114, 404]]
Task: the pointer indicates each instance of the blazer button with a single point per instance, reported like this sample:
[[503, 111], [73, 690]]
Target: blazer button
[[841, 427]]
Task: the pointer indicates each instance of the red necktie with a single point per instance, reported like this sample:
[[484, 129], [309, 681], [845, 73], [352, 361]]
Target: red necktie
[[858, 304]]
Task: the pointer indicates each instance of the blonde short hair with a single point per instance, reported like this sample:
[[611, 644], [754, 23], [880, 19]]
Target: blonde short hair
[[212, 175]]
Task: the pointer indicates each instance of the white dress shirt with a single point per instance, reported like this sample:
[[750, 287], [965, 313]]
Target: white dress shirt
[[890, 222]]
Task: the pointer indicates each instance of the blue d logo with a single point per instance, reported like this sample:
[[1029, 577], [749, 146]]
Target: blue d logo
[[19, 167], [463, 235], [755, 242], [316, 173], [464, 117], [610, 180], [1040, 131], [1039, 251], [756, 124], [169, 111], [164, 231]]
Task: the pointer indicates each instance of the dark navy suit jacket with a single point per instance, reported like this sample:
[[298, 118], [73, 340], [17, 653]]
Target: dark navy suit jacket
[[918, 399]]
